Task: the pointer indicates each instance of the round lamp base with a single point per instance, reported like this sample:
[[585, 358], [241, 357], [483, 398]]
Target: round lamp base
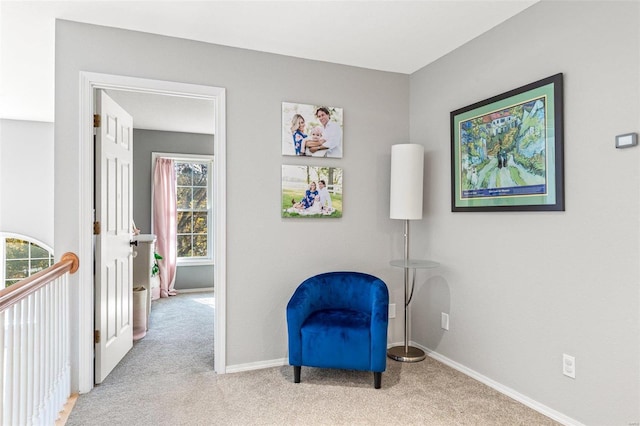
[[412, 354]]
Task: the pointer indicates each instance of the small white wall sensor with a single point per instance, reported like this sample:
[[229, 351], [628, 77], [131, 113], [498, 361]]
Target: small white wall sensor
[[626, 141]]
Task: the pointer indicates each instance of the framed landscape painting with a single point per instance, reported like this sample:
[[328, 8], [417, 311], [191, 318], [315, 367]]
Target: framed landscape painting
[[312, 130], [311, 191], [507, 151]]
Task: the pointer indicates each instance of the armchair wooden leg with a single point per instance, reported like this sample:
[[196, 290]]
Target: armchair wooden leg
[[296, 374], [377, 380]]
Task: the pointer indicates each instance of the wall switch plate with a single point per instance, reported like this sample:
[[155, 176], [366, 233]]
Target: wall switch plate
[[444, 321], [569, 366], [392, 310]]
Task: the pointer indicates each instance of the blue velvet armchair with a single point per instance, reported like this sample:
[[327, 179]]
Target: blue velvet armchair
[[339, 320]]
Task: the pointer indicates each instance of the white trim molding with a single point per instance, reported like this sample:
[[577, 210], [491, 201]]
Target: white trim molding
[[89, 82], [259, 365]]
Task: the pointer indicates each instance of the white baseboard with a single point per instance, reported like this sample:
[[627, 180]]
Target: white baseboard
[[257, 365], [523, 399], [194, 290]]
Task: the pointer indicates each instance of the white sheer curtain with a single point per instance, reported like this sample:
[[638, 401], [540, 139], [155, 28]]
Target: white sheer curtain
[[164, 222]]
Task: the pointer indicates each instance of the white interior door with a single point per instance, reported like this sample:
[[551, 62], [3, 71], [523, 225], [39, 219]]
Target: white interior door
[[113, 253]]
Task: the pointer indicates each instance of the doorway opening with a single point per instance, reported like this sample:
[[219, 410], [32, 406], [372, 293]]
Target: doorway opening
[[90, 83]]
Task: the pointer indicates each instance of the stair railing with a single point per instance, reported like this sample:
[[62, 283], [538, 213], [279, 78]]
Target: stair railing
[[35, 346]]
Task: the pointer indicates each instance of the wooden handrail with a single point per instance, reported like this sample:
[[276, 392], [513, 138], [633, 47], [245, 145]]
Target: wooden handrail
[[11, 295]]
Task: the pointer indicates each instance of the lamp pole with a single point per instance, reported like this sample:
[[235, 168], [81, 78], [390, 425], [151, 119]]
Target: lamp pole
[[406, 286], [406, 353]]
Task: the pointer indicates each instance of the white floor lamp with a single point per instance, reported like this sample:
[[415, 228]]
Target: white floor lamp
[[407, 168]]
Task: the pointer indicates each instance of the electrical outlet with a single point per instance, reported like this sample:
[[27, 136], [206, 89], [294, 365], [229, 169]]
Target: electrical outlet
[[444, 321], [569, 366], [392, 310]]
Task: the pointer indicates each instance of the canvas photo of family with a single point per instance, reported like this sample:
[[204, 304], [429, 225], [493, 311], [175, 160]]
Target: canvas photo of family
[[311, 191], [311, 130]]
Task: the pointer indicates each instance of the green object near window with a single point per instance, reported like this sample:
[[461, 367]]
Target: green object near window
[[155, 269]]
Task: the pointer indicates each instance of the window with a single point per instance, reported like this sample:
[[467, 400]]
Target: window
[[192, 193], [194, 189], [22, 257]]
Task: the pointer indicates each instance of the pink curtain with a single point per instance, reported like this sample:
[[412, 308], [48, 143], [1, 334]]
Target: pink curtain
[[164, 223]]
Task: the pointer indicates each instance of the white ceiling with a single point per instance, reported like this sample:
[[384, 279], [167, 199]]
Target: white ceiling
[[396, 36], [167, 113]]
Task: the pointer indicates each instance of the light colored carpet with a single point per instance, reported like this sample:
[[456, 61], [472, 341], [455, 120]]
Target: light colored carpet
[[168, 379]]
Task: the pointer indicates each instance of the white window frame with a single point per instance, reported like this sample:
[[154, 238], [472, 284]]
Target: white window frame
[[3, 257], [188, 158]]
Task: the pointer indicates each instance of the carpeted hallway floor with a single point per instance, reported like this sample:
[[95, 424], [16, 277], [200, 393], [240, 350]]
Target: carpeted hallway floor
[[168, 379]]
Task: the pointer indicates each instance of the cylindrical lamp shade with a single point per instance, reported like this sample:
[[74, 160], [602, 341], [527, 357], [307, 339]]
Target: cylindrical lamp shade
[[407, 167]]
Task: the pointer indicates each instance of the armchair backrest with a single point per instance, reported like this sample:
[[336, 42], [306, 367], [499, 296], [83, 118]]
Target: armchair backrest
[[342, 290]]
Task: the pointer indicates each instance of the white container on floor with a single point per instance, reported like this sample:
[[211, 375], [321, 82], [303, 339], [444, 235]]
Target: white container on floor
[[140, 296]]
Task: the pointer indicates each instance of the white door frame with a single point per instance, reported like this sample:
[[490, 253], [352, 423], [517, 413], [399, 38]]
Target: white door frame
[[89, 82]]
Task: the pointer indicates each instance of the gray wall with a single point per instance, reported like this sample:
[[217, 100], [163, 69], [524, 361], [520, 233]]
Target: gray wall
[[524, 288], [265, 258], [26, 179], [144, 143], [570, 279]]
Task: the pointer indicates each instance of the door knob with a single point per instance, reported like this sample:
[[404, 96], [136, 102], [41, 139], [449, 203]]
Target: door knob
[[133, 243]]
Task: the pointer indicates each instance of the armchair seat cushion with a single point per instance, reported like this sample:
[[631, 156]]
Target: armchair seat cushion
[[329, 335]]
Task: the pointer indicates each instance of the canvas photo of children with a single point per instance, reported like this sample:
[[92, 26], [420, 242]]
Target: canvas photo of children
[[311, 130], [311, 191]]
